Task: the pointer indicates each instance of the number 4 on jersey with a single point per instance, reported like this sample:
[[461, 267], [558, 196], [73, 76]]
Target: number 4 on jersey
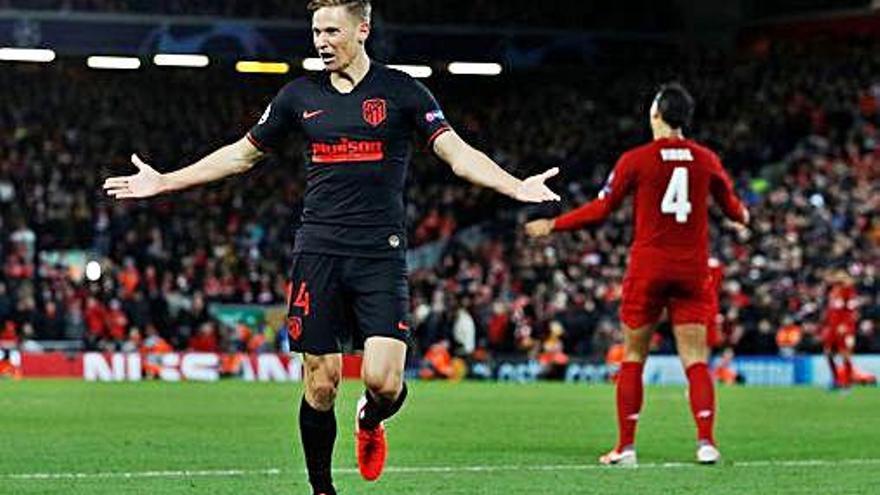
[[675, 200]]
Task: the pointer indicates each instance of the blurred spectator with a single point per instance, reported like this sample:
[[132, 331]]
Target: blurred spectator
[[9, 335], [153, 347], [205, 339], [134, 342], [10, 364], [553, 359], [614, 359], [464, 330], [116, 323], [788, 337], [437, 363], [723, 370]]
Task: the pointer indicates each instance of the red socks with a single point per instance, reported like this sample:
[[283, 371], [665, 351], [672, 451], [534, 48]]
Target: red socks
[[630, 393], [629, 402], [847, 372], [835, 378], [701, 393]]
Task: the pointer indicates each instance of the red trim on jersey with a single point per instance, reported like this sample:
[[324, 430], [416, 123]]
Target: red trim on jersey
[[437, 134], [256, 143], [346, 151]]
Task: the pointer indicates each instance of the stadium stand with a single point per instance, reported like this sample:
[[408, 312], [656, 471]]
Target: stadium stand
[[796, 125], [450, 12]]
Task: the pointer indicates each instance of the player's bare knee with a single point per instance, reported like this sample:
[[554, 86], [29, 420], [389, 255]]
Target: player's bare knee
[[693, 354], [635, 355], [322, 385], [690, 340], [321, 390], [323, 397], [636, 344], [384, 384], [322, 377]]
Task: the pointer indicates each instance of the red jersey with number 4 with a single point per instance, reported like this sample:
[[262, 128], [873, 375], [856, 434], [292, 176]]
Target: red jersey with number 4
[[671, 181]]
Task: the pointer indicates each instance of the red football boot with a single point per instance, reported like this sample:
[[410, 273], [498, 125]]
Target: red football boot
[[370, 445]]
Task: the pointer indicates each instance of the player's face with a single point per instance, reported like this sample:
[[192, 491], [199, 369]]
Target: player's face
[[338, 36]]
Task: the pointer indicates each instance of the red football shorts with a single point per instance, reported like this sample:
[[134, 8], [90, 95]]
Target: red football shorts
[[839, 341], [689, 301]]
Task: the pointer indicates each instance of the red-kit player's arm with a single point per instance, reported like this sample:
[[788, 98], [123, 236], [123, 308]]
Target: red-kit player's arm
[[618, 186], [725, 196]]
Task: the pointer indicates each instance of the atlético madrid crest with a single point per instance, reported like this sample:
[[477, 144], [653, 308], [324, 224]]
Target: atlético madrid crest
[[375, 111]]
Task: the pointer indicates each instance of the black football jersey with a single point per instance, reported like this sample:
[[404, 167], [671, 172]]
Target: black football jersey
[[359, 146]]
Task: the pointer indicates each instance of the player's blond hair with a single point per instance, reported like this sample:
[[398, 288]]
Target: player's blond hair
[[357, 8]]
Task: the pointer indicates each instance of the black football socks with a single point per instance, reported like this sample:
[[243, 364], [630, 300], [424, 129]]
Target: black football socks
[[378, 410], [318, 432]]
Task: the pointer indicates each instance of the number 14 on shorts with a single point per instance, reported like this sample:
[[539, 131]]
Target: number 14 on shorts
[[302, 300]]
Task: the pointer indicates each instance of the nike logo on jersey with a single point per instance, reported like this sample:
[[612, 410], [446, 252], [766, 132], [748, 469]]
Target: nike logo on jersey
[[310, 115], [402, 326]]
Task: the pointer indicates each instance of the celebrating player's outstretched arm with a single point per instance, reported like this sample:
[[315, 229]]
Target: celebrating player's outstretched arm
[[478, 168], [233, 159]]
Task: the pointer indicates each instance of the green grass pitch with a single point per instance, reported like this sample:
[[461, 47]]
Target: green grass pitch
[[74, 437]]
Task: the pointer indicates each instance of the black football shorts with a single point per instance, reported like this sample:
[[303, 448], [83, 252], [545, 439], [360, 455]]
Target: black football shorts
[[335, 303]]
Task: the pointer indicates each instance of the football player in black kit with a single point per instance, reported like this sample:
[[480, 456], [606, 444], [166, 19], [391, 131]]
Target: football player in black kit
[[349, 275]]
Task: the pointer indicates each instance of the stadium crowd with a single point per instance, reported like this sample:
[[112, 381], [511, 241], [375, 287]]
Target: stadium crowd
[[797, 126], [581, 15]]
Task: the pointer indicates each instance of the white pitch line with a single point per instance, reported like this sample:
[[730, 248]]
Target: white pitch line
[[439, 469], [650, 465], [143, 474]]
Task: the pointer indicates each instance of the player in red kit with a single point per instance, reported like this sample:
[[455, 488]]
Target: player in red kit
[[839, 335], [671, 180]]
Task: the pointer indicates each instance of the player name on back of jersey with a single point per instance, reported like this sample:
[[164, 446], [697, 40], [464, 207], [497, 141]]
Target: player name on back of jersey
[[347, 151], [676, 155]]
